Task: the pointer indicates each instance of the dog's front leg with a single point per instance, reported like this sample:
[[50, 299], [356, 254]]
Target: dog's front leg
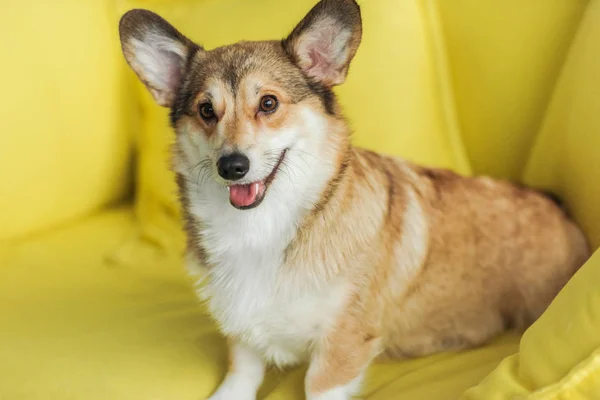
[[339, 363], [245, 374]]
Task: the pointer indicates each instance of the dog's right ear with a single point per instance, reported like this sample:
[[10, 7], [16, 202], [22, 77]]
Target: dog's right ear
[[326, 40], [156, 51]]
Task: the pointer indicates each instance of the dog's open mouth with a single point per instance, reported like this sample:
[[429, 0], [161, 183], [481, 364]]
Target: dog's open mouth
[[244, 197]]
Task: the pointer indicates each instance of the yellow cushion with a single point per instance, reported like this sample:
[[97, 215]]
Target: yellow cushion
[[396, 95], [85, 314], [64, 142]]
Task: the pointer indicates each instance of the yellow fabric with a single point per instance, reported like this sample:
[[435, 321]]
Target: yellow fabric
[[63, 127], [396, 96], [86, 314], [102, 309], [505, 56], [560, 354], [566, 158]]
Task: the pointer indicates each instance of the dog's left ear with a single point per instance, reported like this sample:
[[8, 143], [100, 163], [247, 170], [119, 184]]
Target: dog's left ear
[[326, 40], [157, 52]]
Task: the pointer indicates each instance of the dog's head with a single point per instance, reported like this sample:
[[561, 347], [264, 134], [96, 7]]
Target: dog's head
[[244, 111]]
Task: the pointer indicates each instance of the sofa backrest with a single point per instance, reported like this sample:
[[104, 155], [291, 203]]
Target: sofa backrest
[[505, 57], [64, 130], [462, 84]]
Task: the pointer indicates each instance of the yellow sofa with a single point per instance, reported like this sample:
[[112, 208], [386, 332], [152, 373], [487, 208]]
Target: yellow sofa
[[94, 303]]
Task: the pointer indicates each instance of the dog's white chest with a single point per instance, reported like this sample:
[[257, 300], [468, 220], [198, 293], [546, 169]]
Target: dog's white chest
[[272, 317], [251, 293]]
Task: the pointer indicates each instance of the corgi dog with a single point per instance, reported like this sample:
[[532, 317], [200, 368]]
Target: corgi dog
[[314, 251]]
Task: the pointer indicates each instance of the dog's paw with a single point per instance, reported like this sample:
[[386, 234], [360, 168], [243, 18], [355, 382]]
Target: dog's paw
[[230, 390], [333, 395], [344, 392]]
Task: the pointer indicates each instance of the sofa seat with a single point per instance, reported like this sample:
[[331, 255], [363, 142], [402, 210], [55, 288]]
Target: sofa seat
[[90, 311]]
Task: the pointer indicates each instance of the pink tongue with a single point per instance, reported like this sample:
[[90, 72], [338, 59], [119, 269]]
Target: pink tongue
[[245, 195]]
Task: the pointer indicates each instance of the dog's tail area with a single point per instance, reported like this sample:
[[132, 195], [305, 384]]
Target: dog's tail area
[[556, 199], [550, 195], [580, 246]]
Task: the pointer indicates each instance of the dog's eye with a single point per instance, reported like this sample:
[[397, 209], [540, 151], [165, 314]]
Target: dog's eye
[[268, 104], [207, 112]]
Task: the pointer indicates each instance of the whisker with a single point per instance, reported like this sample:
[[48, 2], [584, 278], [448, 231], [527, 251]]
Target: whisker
[[305, 162], [284, 171], [306, 152], [290, 163]]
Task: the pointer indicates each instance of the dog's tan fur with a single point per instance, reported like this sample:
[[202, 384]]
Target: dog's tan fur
[[432, 261], [464, 273]]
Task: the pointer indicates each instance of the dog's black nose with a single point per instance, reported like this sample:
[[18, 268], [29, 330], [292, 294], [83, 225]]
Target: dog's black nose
[[233, 166]]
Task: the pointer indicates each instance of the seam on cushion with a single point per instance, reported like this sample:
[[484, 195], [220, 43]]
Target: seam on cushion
[[557, 79], [447, 101], [590, 367]]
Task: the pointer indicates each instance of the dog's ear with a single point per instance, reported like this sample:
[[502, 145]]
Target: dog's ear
[[156, 51], [326, 40]]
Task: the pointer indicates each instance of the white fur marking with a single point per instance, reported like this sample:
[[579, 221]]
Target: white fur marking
[[411, 250], [244, 378], [275, 314], [343, 392]]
